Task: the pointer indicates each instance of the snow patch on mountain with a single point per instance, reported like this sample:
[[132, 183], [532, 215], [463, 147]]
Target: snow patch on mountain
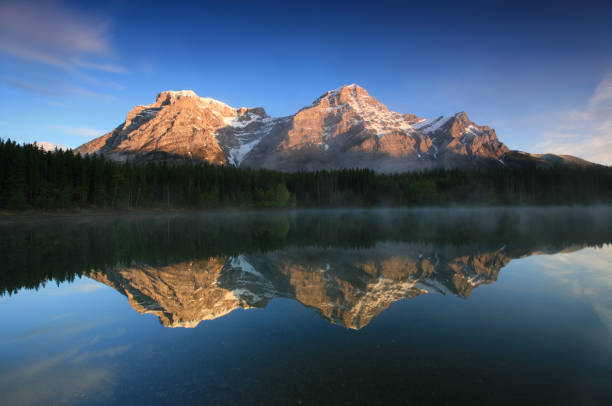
[[237, 155], [427, 126], [248, 131], [182, 93], [472, 129], [207, 102], [247, 119], [241, 262]]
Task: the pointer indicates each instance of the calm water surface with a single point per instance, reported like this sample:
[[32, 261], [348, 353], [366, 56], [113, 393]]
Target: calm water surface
[[316, 307]]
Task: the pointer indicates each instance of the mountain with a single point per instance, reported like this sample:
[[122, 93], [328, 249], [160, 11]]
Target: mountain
[[49, 146], [344, 128], [346, 286], [183, 127]]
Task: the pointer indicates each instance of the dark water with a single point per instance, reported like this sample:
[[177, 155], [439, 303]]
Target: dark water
[[334, 307]]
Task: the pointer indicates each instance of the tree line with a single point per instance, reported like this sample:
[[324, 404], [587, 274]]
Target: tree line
[[31, 178]]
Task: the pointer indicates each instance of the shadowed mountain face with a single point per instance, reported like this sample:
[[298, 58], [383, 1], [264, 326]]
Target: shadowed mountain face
[[344, 128]]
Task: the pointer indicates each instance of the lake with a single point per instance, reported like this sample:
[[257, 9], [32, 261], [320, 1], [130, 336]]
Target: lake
[[440, 306]]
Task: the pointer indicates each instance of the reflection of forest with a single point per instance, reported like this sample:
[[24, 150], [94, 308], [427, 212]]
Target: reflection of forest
[[447, 250]]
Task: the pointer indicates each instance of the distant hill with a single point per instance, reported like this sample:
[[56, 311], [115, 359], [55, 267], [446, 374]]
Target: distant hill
[[49, 146]]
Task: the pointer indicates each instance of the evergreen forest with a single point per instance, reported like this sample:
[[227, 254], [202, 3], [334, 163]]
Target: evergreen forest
[[34, 179]]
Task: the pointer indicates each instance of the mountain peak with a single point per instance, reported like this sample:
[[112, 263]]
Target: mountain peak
[[171, 96], [174, 95], [352, 86], [352, 90], [352, 94], [461, 116]]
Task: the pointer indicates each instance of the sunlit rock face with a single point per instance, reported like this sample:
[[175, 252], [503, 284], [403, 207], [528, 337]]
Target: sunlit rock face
[[182, 127], [346, 286], [348, 128], [344, 128]]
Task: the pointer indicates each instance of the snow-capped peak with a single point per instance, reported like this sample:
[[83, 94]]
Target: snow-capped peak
[[341, 93], [169, 96], [356, 107], [351, 86], [182, 93]]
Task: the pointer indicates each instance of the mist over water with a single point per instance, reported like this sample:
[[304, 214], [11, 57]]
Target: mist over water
[[441, 306]]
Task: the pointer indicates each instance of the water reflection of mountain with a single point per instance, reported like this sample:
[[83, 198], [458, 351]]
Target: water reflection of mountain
[[348, 265], [346, 286]]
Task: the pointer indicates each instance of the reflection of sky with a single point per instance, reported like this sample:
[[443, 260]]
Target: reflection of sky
[[586, 273], [54, 350], [82, 340], [56, 377]]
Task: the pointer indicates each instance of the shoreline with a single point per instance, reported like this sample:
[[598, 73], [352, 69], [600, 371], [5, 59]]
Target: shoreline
[[7, 216]]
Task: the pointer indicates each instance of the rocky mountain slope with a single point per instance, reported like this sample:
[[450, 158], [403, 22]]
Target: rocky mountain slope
[[344, 128]]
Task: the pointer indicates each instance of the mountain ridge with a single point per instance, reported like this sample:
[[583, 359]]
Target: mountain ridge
[[343, 128]]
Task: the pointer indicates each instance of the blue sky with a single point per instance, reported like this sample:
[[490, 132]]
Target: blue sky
[[540, 74]]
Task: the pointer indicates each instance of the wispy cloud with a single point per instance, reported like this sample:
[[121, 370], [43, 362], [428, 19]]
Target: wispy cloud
[[80, 131], [33, 55], [603, 92], [63, 90], [54, 103], [28, 87], [49, 34], [100, 66], [79, 91], [584, 132]]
